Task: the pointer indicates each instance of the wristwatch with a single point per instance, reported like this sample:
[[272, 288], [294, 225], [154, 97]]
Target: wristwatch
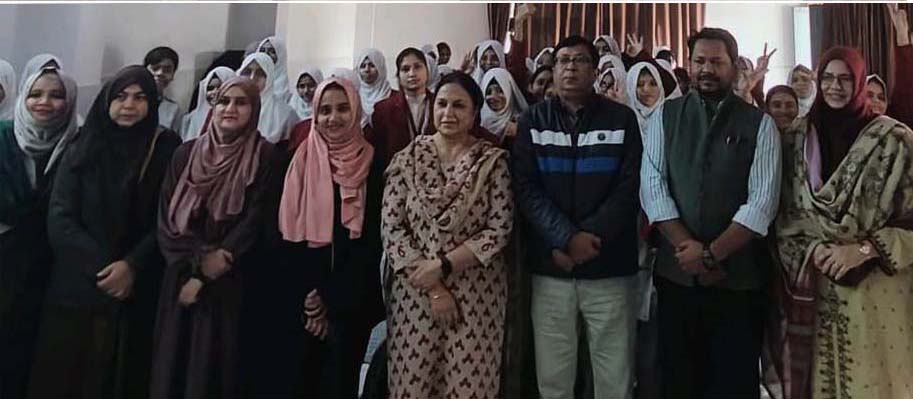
[[709, 261], [866, 248]]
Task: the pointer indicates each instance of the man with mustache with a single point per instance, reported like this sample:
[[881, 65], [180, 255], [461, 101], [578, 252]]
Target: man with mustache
[[710, 183]]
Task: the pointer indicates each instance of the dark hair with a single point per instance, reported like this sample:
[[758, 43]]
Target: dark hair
[[682, 75], [442, 45], [667, 79], [876, 79], [723, 35], [159, 54], [574, 41], [407, 52], [664, 55], [539, 70], [467, 83], [781, 89]]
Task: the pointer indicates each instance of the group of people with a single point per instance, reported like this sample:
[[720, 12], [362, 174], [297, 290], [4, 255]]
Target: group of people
[[676, 225]]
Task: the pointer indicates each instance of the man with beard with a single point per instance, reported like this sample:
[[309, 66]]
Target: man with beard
[[710, 182]]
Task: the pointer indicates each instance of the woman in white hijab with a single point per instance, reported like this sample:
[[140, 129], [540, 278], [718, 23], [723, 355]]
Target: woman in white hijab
[[489, 54], [372, 76], [612, 84], [504, 102], [645, 93], [7, 90], [606, 44], [38, 63], [434, 73], [440, 70], [277, 118], [545, 57], [305, 86], [192, 124], [803, 81], [274, 47], [610, 61]]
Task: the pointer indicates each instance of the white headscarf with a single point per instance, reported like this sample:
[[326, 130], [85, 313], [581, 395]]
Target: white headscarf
[[613, 44], [379, 90], [192, 124], [434, 75], [496, 121], [644, 113], [277, 118], [301, 106], [533, 63], [805, 104], [352, 77], [36, 64], [52, 137], [280, 78], [875, 78], [613, 61], [497, 47], [444, 70], [8, 83], [430, 49], [620, 84]]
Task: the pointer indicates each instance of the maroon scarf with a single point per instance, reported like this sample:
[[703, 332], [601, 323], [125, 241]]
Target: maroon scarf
[[838, 128]]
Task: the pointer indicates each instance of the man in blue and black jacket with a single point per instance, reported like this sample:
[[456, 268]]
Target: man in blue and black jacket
[[576, 170]]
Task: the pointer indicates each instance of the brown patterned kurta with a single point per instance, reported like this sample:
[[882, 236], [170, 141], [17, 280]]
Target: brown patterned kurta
[[428, 208]]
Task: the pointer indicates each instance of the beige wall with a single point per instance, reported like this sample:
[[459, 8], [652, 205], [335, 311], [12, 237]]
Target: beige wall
[[95, 40], [753, 25], [332, 35]]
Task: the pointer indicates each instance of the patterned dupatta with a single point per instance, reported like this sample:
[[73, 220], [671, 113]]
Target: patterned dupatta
[[869, 196], [448, 197]]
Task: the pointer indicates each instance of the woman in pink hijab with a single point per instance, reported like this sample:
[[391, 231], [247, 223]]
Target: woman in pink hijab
[[329, 217]]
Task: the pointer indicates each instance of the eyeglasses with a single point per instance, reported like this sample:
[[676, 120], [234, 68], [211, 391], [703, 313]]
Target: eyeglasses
[[578, 60], [845, 80]]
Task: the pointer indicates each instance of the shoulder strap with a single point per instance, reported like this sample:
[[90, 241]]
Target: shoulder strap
[[149, 152]]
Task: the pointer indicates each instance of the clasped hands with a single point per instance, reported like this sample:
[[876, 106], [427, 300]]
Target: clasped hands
[[425, 276], [581, 248], [835, 261], [690, 256], [214, 265]]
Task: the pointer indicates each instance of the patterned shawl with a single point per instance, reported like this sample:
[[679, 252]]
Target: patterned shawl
[[869, 196]]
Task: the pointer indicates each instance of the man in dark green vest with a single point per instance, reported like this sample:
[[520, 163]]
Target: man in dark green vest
[[710, 183]]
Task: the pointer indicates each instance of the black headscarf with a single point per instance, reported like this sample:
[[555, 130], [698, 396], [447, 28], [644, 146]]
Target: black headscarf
[[111, 157], [838, 128], [103, 140]]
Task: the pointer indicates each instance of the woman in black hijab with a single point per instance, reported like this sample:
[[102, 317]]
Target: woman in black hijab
[[96, 332]]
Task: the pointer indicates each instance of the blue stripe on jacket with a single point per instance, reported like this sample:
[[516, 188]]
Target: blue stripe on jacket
[[583, 165]]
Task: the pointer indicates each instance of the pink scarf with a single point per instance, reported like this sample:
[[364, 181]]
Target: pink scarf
[[306, 212], [217, 173]]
